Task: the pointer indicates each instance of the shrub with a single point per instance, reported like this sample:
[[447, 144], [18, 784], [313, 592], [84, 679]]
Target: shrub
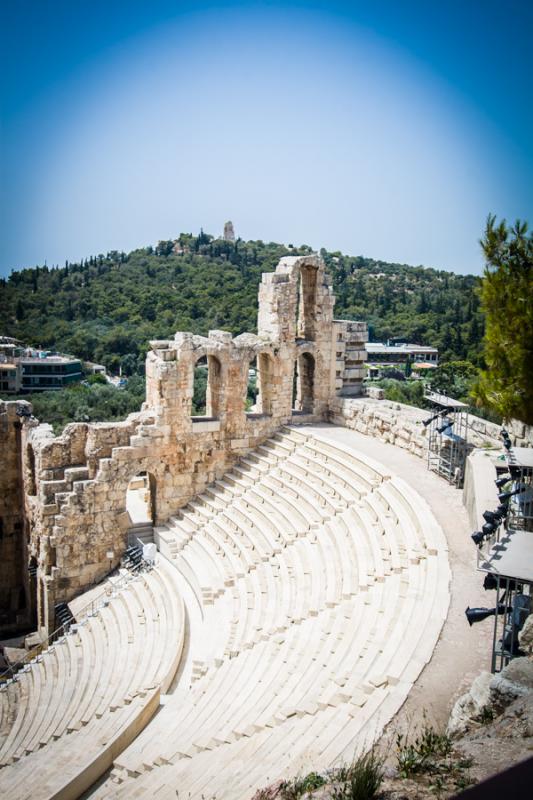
[[360, 780]]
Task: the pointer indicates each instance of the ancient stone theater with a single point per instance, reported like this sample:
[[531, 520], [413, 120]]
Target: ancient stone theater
[[223, 600]]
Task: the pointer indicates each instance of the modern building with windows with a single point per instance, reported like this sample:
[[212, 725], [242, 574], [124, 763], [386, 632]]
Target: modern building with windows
[[25, 370], [382, 356], [40, 373]]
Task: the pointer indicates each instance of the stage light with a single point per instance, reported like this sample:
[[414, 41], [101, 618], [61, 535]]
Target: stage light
[[489, 528], [492, 516], [504, 497], [502, 511], [502, 481], [428, 421], [477, 537], [490, 581], [478, 614], [447, 424]]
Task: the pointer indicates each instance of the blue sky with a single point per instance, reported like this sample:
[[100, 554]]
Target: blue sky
[[389, 129]]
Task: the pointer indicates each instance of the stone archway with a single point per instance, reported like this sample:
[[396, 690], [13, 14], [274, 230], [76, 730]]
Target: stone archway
[[207, 387], [306, 302], [303, 399]]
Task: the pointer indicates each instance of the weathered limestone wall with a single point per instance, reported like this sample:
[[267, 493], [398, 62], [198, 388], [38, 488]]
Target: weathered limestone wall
[[75, 484], [350, 357], [390, 422], [15, 603], [401, 425]]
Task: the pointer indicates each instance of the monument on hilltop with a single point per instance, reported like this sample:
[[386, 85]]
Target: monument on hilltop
[[229, 232]]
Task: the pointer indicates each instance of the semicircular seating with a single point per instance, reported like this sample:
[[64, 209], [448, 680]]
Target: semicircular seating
[[319, 583], [94, 687], [323, 582]]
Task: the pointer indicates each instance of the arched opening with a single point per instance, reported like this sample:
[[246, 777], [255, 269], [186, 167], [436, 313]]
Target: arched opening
[[258, 398], [252, 388], [207, 385], [140, 500], [303, 387], [306, 303]]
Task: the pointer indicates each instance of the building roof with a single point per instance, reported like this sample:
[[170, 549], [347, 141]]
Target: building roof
[[380, 347], [48, 360], [512, 556], [444, 401]]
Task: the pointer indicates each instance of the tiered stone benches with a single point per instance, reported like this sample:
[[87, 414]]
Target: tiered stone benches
[[85, 698], [323, 582]]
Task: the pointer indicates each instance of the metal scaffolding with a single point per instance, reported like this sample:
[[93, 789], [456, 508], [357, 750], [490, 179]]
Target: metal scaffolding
[[447, 437], [507, 555], [510, 562]]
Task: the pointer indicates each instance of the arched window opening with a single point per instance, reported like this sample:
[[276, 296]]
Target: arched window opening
[[252, 388], [258, 397], [306, 303], [207, 388], [140, 500], [303, 389], [199, 387]]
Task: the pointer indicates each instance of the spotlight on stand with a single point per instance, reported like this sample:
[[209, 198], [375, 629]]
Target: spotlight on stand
[[502, 481], [428, 421], [478, 614], [490, 581], [477, 537], [495, 516], [503, 510], [488, 528], [504, 497], [445, 426]]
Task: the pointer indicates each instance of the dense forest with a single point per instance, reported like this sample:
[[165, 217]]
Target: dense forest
[[107, 308]]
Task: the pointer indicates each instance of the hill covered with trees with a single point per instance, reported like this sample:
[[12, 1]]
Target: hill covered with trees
[[107, 308]]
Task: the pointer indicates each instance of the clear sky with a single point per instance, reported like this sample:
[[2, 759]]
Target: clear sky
[[383, 128]]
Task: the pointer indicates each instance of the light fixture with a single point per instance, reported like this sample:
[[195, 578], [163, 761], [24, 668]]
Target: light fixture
[[490, 581], [492, 516], [445, 425], [477, 537], [478, 614], [502, 481], [504, 497]]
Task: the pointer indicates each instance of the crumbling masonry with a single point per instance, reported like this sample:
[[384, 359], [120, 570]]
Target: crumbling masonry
[[63, 518]]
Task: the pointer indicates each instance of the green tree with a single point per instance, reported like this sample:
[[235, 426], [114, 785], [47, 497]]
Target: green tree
[[506, 385]]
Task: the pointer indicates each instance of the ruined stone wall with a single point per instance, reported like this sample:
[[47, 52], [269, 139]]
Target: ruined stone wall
[[75, 487], [402, 426], [15, 602]]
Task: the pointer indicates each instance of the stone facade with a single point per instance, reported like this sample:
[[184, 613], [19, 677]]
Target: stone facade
[[14, 600], [72, 488]]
